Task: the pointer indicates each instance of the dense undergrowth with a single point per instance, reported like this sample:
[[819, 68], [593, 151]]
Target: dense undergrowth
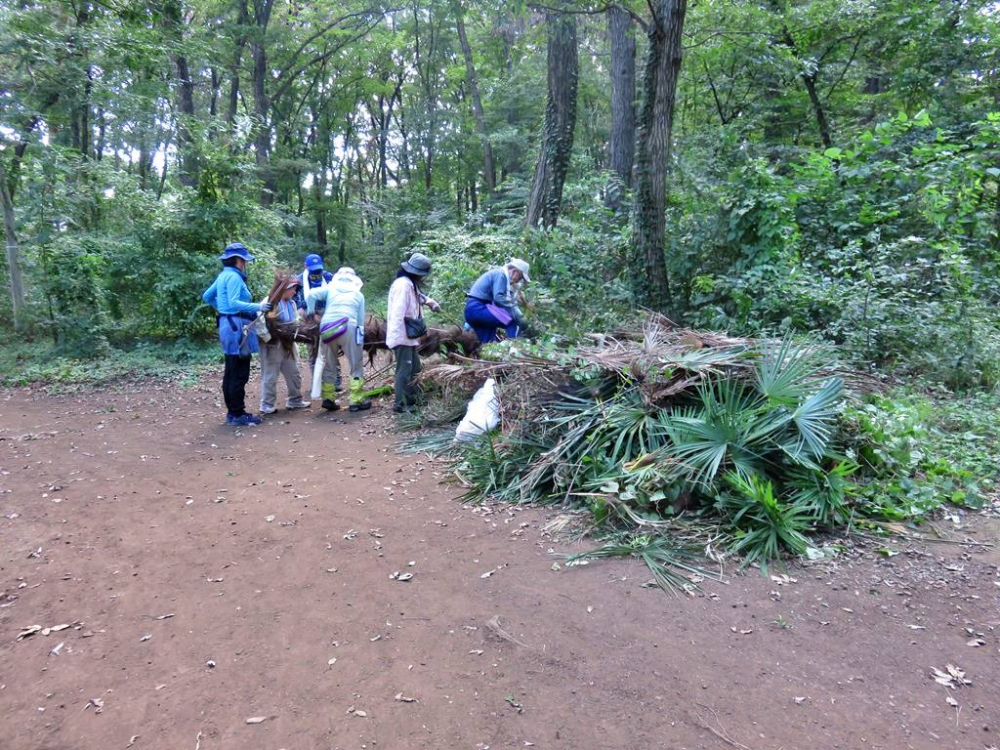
[[681, 446]]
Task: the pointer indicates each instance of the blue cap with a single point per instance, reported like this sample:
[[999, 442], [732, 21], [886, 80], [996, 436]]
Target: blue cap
[[236, 250], [314, 262]]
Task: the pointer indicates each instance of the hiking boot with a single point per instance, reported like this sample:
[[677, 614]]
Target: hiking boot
[[330, 405], [244, 420], [361, 406]]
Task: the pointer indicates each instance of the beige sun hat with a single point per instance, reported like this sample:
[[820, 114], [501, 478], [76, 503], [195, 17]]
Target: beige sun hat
[[520, 265]]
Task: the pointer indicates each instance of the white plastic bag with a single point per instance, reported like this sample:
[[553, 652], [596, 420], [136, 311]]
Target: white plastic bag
[[482, 414]]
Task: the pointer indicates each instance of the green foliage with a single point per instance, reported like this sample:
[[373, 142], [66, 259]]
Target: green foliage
[[41, 365]]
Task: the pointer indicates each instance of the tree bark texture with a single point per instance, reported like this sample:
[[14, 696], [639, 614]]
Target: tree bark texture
[[262, 137], [489, 168], [13, 249], [545, 198], [650, 284], [621, 35]]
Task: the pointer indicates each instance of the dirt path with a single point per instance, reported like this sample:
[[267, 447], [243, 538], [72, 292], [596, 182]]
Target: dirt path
[[271, 551]]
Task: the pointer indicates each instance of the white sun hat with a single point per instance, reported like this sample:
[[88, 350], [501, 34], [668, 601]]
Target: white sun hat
[[520, 265]]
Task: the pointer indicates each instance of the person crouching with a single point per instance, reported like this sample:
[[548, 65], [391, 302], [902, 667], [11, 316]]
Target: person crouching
[[491, 302], [279, 358]]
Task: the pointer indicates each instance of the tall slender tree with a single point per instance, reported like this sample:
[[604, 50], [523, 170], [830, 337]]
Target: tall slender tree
[[621, 143], [650, 284], [545, 199]]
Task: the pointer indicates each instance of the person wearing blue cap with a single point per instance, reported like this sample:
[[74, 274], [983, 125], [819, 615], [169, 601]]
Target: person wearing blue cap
[[314, 277], [230, 296]]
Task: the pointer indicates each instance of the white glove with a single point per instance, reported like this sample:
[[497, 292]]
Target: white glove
[[265, 307]]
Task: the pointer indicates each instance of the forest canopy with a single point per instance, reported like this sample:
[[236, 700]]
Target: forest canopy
[[762, 167]]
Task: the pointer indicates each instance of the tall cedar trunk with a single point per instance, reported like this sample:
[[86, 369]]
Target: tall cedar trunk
[[489, 168], [650, 284], [545, 199], [234, 87], [262, 137], [173, 22], [13, 249], [622, 146], [213, 105], [185, 142]]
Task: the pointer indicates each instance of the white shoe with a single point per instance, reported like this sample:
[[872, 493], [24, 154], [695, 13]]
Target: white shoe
[[272, 410], [299, 405]]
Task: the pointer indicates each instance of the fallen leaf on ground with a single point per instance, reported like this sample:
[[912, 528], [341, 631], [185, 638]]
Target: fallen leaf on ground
[[131, 741], [976, 643], [952, 678], [29, 631], [256, 720], [405, 699]]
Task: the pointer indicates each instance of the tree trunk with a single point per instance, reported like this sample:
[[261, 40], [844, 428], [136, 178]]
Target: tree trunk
[[545, 199], [489, 168], [622, 142], [821, 122], [185, 142], [13, 250], [234, 87], [262, 137], [650, 284]]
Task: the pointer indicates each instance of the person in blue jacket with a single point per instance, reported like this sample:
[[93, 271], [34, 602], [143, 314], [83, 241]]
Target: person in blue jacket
[[491, 301], [230, 296], [314, 277]]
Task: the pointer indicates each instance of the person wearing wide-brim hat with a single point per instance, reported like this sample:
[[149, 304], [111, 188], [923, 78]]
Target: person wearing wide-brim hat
[[491, 302], [230, 296], [404, 317]]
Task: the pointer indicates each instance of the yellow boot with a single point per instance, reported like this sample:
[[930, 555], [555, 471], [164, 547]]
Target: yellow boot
[[330, 397], [358, 401]]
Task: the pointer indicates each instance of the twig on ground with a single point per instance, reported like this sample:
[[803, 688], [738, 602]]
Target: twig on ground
[[722, 735], [494, 627]]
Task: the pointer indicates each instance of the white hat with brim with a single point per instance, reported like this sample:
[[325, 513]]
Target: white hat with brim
[[520, 265]]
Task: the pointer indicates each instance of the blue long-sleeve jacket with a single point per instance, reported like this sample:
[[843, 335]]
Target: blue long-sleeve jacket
[[230, 295], [493, 286]]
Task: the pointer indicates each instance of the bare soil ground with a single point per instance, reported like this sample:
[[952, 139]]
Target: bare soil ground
[[210, 576]]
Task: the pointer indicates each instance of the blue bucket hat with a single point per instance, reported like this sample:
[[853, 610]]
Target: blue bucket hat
[[314, 263], [236, 250]]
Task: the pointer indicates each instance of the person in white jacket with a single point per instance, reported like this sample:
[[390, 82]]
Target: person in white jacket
[[406, 301], [278, 359], [342, 328]]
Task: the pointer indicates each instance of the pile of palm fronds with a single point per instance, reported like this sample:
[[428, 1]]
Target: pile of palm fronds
[[647, 426]]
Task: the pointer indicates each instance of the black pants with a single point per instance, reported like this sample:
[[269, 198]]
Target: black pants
[[407, 369], [234, 382]]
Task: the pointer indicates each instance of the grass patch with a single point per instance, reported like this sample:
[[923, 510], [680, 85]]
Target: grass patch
[[34, 364]]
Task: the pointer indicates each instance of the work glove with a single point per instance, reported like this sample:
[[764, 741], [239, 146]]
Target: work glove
[[265, 307]]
